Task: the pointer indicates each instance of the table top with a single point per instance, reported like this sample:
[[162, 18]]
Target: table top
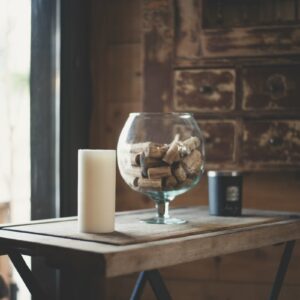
[[147, 246]]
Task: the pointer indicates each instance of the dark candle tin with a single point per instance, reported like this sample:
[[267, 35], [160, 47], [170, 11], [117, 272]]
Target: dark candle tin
[[225, 193]]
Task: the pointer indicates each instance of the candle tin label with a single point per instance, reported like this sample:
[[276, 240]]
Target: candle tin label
[[232, 194]]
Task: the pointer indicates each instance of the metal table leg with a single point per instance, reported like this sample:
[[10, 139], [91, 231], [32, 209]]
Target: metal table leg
[[27, 276], [283, 266], [157, 284], [139, 286]]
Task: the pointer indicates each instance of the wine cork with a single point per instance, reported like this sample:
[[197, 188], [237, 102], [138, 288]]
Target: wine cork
[[180, 173], [159, 172], [170, 182], [172, 154], [192, 162], [157, 166], [155, 150], [149, 183]]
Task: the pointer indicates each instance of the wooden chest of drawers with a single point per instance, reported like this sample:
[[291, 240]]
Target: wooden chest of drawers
[[237, 70]]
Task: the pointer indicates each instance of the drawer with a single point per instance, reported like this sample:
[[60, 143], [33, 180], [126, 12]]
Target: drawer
[[210, 90], [207, 30], [219, 140], [271, 142], [271, 88]]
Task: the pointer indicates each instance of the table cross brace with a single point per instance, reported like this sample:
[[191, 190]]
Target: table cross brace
[[282, 269], [153, 276], [27, 276], [157, 284], [161, 292]]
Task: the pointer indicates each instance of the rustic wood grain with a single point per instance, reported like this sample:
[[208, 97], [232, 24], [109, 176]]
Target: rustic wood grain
[[187, 16], [124, 28], [155, 254], [98, 79], [124, 74], [116, 116], [209, 90], [158, 49], [203, 289], [130, 229], [271, 190], [220, 136], [116, 67], [272, 88], [261, 265], [193, 249], [273, 142], [228, 35], [233, 13], [251, 42]]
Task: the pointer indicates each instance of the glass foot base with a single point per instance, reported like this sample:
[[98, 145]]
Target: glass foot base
[[168, 221]]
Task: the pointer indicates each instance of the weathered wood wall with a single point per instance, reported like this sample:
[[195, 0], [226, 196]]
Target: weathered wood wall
[[116, 46]]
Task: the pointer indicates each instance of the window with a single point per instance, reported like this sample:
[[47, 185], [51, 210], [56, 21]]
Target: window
[[44, 111], [15, 27]]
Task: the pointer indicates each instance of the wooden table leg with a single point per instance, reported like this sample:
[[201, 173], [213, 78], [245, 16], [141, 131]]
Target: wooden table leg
[[81, 285], [282, 269]]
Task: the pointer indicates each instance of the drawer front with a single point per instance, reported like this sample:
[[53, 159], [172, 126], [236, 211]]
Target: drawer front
[[219, 140], [231, 29], [210, 90], [274, 142], [271, 88]]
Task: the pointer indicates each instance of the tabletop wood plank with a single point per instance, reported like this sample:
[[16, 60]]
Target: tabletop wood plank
[[159, 252], [130, 229]]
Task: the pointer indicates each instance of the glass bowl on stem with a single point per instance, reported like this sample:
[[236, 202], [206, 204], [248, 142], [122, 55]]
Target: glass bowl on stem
[[162, 156]]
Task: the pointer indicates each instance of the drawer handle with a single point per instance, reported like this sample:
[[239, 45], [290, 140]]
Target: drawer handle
[[206, 89], [276, 85], [276, 141]]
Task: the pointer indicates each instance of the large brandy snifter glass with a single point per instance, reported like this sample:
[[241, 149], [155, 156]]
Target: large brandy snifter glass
[[162, 156]]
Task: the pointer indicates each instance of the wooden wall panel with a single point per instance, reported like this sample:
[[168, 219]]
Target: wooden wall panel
[[117, 79], [269, 191], [115, 65], [98, 66], [260, 264], [117, 84], [124, 21], [203, 290], [124, 73]]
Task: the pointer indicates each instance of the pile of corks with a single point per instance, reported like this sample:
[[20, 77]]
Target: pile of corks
[[163, 167]]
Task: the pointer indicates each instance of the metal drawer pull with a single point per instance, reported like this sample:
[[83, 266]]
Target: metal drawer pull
[[276, 141], [206, 89], [277, 85]]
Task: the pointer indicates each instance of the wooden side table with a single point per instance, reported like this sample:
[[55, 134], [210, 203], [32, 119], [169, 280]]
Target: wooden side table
[[87, 259]]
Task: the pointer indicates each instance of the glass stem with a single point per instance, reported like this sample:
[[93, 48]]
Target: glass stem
[[163, 209]]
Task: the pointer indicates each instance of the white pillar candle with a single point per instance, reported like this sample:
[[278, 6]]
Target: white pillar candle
[[96, 190]]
